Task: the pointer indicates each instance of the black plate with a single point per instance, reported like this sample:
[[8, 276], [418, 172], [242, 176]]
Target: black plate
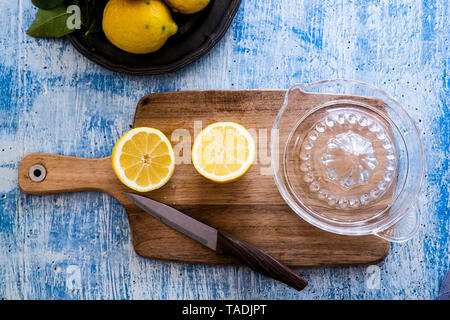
[[197, 34]]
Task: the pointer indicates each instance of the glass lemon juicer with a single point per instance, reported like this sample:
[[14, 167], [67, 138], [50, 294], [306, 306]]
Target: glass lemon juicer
[[348, 159]]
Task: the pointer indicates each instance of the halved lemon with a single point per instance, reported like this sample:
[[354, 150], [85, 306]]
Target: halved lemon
[[143, 159], [223, 152]]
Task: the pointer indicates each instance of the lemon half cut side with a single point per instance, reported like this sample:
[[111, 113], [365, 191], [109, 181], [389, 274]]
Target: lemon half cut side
[[143, 159], [223, 152]]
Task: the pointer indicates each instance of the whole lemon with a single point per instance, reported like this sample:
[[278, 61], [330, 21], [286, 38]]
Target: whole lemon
[[187, 6], [138, 26]]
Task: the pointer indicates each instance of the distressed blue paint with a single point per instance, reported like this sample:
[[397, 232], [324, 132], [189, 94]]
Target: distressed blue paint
[[54, 100]]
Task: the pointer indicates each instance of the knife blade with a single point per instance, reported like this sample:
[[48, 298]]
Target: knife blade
[[219, 241]]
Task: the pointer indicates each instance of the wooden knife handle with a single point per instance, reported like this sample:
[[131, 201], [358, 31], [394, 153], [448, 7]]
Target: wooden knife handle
[[64, 174], [259, 261]]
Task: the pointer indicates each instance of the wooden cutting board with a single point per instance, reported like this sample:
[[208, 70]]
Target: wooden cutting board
[[250, 208]]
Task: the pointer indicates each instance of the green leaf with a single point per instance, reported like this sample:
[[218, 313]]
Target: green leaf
[[47, 4], [50, 23], [70, 2], [91, 18], [90, 15]]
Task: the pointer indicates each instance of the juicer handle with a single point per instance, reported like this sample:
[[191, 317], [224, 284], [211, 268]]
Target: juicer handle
[[404, 229]]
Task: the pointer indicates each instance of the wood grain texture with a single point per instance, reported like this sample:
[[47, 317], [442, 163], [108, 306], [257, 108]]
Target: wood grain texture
[[258, 260], [250, 207], [54, 100]]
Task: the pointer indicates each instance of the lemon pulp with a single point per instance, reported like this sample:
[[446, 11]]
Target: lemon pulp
[[143, 159], [223, 152]]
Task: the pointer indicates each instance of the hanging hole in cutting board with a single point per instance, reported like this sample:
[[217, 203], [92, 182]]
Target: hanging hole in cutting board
[[37, 173]]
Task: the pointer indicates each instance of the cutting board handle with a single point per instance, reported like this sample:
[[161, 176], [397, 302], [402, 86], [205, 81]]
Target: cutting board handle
[[41, 173]]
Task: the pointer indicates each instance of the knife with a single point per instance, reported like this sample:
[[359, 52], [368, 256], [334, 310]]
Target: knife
[[219, 241]]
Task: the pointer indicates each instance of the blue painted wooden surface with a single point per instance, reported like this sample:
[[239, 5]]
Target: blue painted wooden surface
[[77, 246]]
